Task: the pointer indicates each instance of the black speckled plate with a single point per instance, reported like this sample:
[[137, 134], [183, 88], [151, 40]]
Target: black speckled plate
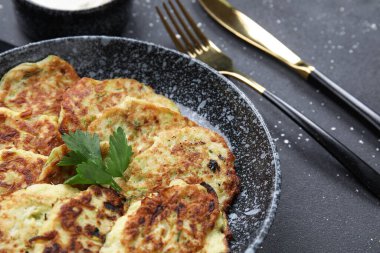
[[204, 95]]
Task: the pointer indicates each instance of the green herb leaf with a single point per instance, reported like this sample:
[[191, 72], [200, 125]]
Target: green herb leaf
[[119, 155], [79, 179], [86, 156], [84, 144], [72, 158], [94, 173]]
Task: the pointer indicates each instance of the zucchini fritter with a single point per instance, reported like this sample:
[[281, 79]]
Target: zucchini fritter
[[181, 218], [38, 134], [37, 88], [193, 154], [141, 121], [51, 172], [23, 212], [85, 101], [80, 224], [19, 169]]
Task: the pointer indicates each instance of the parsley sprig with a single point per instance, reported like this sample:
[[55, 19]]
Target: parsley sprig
[[85, 154]]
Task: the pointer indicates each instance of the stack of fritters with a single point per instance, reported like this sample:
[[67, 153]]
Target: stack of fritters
[[175, 192], [30, 102]]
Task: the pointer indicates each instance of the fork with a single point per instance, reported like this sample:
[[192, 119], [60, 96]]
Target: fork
[[195, 43]]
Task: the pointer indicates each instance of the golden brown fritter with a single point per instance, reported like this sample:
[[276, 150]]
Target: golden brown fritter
[[80, 224], [141, 121], [19, 169], [85, 101], [23, 212], [37, 88], [51, 173], [38, 134], [193, 154], [181, 218]]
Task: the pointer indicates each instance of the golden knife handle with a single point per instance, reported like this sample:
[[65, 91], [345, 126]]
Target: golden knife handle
[[301, 67]]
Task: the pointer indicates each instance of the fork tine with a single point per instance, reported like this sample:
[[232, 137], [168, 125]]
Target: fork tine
[[172, 35], [184, 26], [188, 44], [192, 23]]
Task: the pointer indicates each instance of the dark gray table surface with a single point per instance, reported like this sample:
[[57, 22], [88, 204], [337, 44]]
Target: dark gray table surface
[[322, 207]]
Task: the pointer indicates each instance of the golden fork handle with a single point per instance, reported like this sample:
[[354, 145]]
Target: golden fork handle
[[245, 79]]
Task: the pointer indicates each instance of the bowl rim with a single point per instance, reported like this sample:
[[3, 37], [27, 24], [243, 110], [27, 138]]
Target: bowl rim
[[275, 197], [59, 12]]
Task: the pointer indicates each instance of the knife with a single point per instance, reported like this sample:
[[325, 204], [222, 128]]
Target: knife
[[247, 29]]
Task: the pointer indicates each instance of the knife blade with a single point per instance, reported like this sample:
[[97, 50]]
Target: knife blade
[[245, 28]]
